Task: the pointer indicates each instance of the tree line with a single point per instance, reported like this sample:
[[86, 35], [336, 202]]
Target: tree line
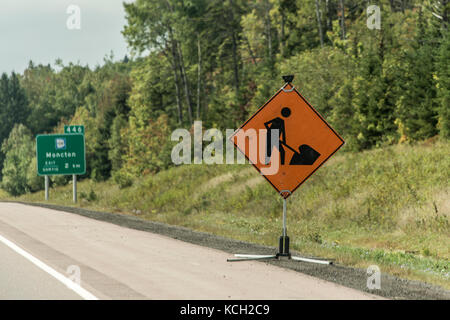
[[219, 61]]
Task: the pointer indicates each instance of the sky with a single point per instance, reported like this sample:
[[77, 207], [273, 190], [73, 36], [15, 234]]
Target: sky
[[37, 30]]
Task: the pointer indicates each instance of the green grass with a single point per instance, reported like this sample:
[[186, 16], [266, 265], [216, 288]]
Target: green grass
[[387, 206]]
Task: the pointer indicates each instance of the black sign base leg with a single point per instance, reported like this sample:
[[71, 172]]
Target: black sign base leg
[[283, 247]]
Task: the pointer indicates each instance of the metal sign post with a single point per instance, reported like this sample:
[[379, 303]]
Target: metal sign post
[[74, 129], [46, 188], [74, 182], [284, 239]]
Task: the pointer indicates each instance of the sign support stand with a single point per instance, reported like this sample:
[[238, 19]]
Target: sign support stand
[[46, 187], [283, 249], [284, 239], [74, 182]]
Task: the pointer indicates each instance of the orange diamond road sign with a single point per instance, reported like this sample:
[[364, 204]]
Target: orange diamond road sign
[[301, 142]]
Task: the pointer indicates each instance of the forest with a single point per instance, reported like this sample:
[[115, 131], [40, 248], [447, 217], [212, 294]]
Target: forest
[[218, 61]]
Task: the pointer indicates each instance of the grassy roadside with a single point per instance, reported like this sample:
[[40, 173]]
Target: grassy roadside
[[389, 207]]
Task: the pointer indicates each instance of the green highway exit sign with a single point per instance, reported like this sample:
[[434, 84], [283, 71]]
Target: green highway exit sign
[[74, 129], [60, 154]]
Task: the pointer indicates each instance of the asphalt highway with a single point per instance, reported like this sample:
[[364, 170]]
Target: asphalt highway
[[49, 254], [21, 279]]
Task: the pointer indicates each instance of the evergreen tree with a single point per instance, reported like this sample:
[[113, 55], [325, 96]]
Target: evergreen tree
[[13, 107], [416, 107], [374, 104], [443, 87]]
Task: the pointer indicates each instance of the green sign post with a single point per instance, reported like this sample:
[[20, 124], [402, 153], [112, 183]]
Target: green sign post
[[60, 154]]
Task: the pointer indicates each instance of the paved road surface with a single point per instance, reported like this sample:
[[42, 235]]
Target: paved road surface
[[21, 279], [121, 263]]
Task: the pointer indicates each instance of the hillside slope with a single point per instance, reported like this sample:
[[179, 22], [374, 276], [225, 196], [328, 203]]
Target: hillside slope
[[389, 207]]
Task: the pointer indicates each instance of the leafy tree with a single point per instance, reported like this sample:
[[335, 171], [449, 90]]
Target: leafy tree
[[319, 75], [53, 95], [149, 146], [116, 143], [19, 150], [342, 116]]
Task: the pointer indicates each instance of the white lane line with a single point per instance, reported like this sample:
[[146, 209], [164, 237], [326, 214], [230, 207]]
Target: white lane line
[[69, 283]]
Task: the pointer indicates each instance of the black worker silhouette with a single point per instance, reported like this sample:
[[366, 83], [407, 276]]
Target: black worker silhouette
[[276, 124], [306, 154]]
